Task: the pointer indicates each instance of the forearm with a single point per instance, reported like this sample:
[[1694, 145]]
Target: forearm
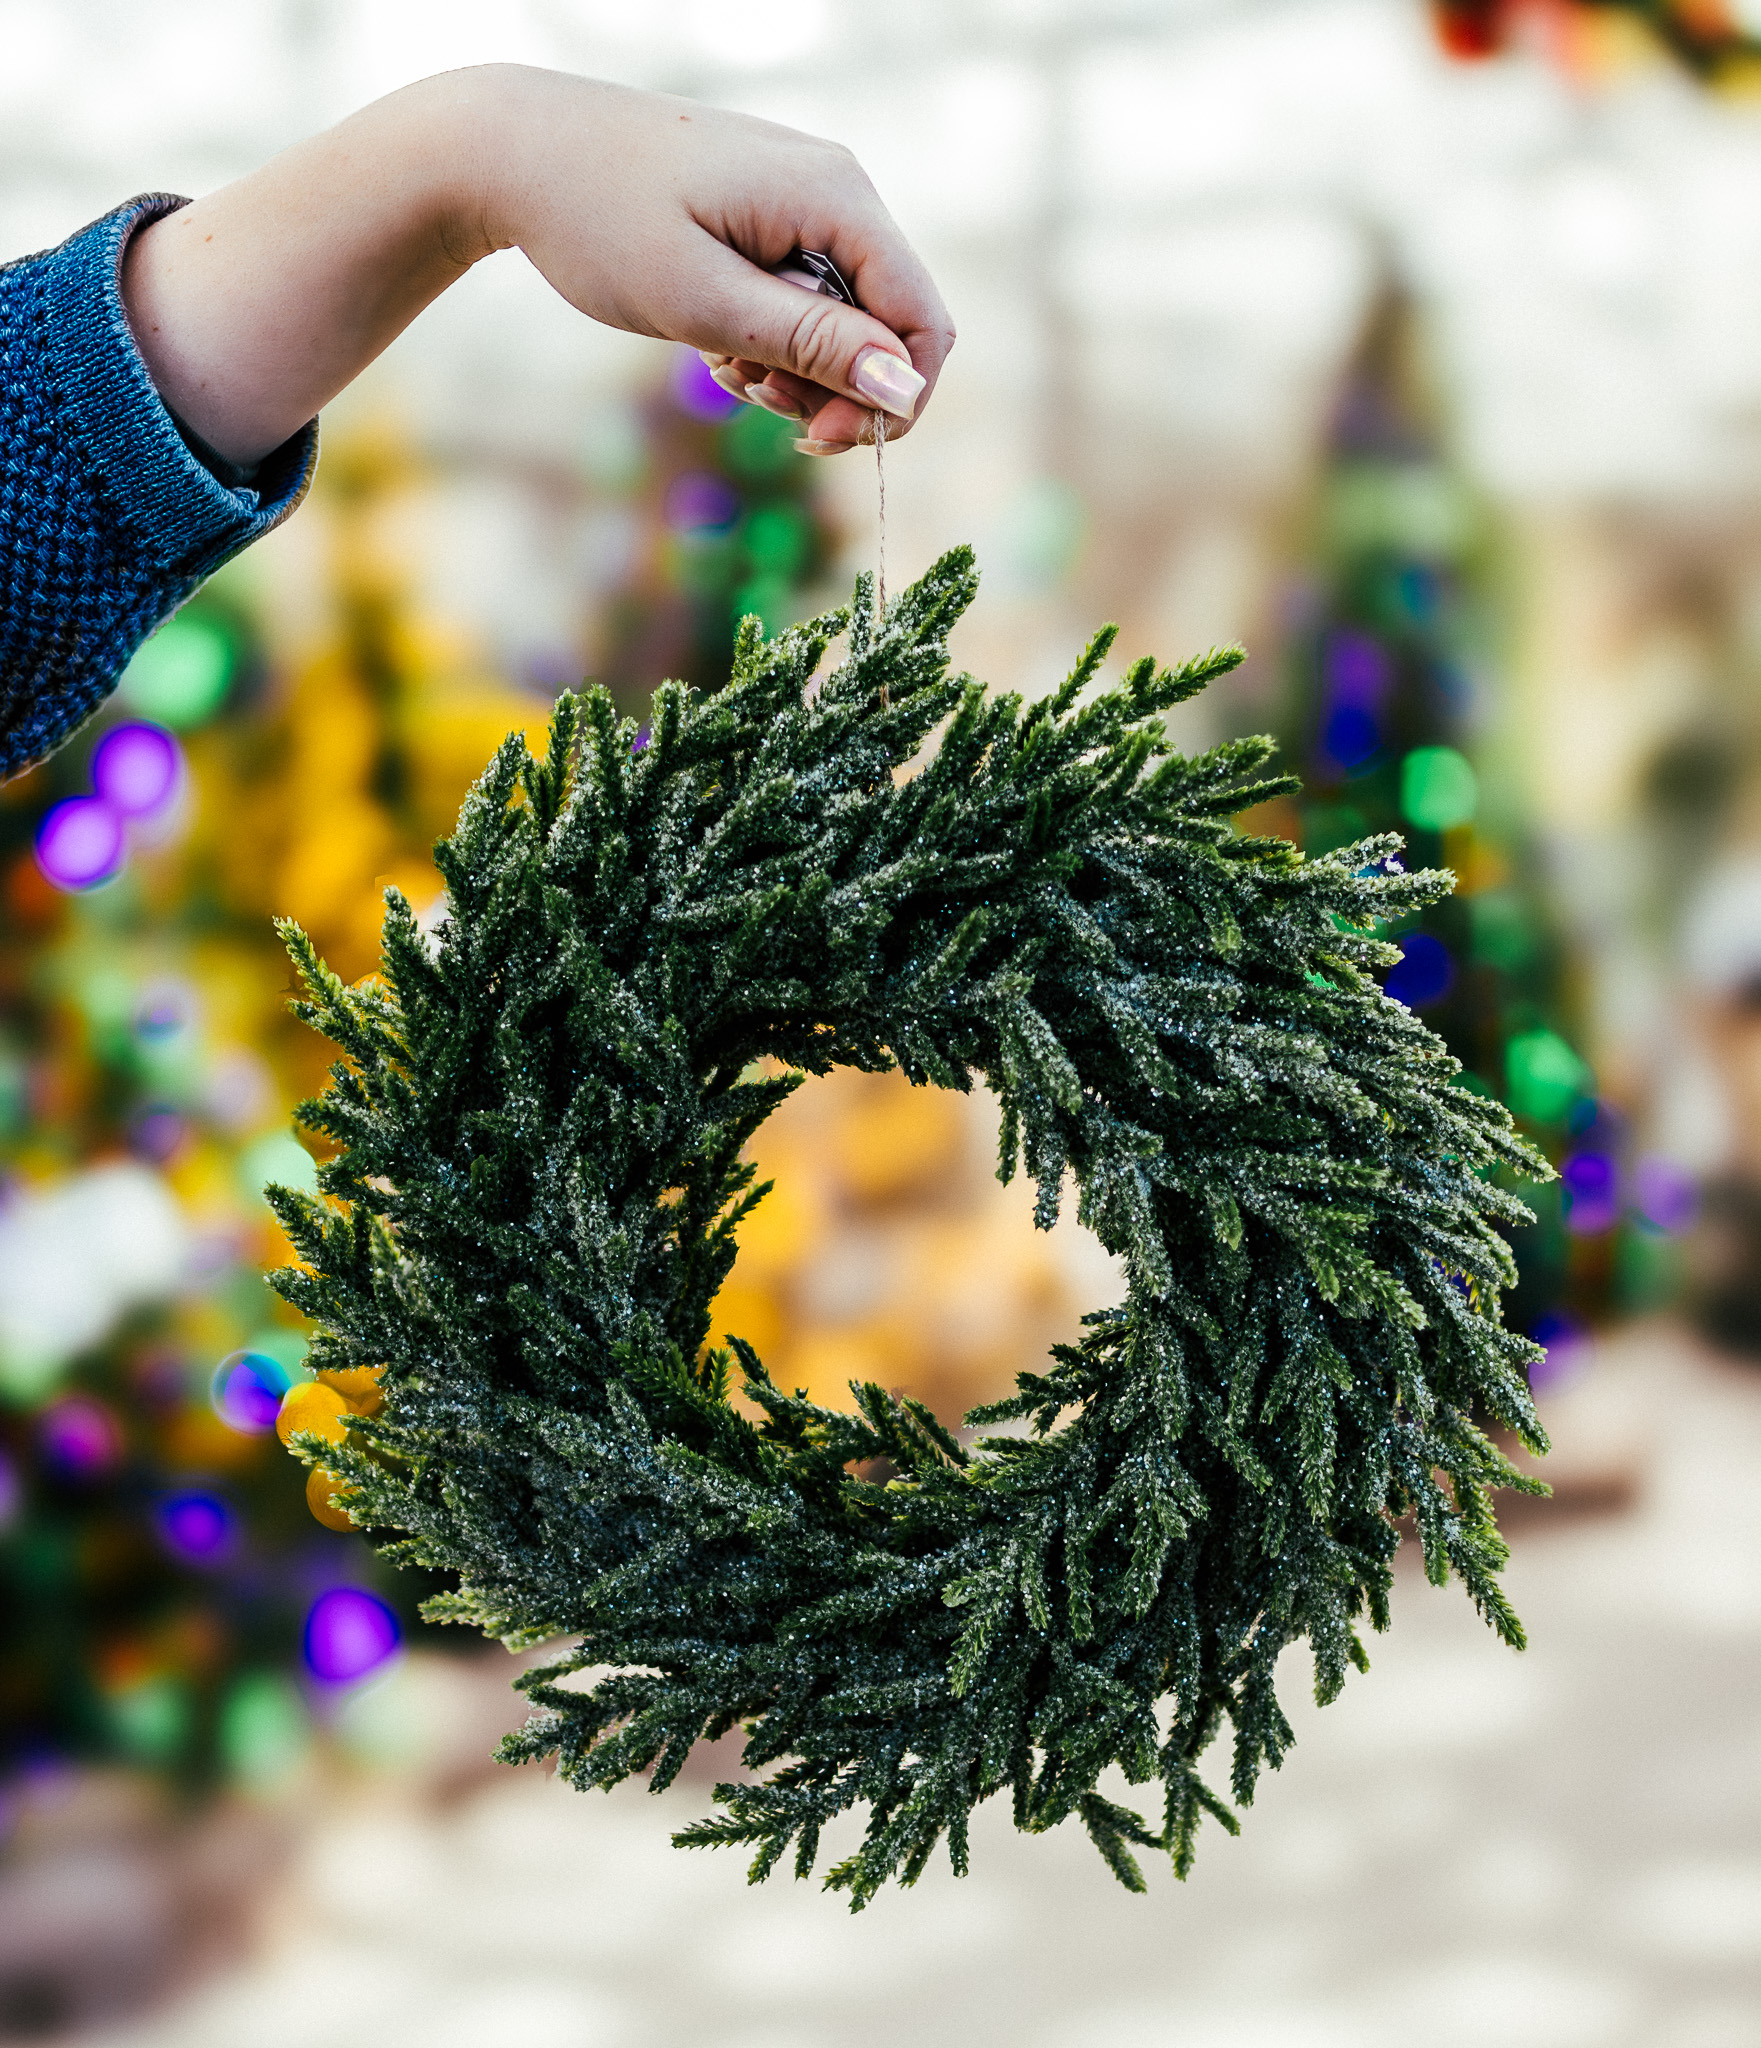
[[254, 306]]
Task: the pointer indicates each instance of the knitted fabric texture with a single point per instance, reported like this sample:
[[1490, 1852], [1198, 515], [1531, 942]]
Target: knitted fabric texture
[[108, 519]]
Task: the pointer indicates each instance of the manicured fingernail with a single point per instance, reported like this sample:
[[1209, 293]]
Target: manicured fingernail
[[774, 401], [712, 359], [823, 447], [887, 382], [730, 380]]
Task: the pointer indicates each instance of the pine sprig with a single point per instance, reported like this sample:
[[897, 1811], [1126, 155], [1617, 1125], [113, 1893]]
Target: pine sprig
[[538, 1121]]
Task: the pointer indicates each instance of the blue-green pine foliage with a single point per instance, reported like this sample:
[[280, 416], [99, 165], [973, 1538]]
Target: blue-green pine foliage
[[538, 1182]]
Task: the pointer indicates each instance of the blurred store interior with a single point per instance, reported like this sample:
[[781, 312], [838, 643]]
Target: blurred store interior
[[1418, 349]]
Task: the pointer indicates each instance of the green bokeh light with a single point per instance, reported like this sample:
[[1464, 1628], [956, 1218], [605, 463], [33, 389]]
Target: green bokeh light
[[264, 1729], [152, 1719], [770, 597], [1543, 1077], [778, 539], [1438, 788], [1505, 934], [756, 445], [278, 1157], [181, 676]]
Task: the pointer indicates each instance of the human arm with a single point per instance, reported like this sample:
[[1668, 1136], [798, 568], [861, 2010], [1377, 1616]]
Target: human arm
[[160, 371], [108, 520], [254, 306]]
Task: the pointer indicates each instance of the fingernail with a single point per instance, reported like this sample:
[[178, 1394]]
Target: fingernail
[[823, 447], [712, 359], [774, 401], [729, 380], [887, 382]]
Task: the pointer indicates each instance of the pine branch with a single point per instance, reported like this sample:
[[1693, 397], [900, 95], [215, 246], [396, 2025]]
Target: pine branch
[[538, 1183]]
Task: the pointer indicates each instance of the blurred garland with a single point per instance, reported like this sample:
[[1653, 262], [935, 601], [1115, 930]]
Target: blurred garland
[[1708, 37]]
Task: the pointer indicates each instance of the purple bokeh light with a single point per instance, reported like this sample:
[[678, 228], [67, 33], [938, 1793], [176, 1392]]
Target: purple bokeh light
[[167, 1006], [1356, 670], [1666, 1194], [79, 1438], [1356, 677], [197, 1525], [136, 769], [1592, 1192], [157, 1132], [700, 502], [696, 392], [247, 1392], [79, 843], [1566, 1343], [348, 1633]]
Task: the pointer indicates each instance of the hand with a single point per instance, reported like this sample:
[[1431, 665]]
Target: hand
[[256, 305], [666, 217]]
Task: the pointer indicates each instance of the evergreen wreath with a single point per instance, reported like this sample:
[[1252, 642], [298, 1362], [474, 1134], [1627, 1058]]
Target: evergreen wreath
[[652, 937]]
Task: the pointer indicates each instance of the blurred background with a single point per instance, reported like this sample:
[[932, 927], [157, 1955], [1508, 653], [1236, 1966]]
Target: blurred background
[[1417, 348]]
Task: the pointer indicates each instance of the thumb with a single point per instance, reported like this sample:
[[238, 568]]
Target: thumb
[[843, 351]]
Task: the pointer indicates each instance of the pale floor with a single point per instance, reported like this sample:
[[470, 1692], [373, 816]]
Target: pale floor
[[1561, 1848]]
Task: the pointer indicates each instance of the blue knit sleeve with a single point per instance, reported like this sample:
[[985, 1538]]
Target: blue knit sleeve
[[108, 519]]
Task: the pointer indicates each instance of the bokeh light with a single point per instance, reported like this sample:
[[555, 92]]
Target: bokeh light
[[156, 1132], [778, 539], [247, 1390], [1356, 677], [151, 1717], [11, 1492], [701, 502], [695, 391], [276, 1158], [1567, 1345], [80, 843], [136, 769], [166, 1008], [1592, 1192], [265, 1731], [1666, 1195], [197, 1524], [757, 446], [1424, 974], [1438, 788], [181, 676], [79, 1438], [1543, 1077], [348, 1634]]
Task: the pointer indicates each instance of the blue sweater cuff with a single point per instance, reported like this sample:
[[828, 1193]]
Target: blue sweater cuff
[[153, 484]]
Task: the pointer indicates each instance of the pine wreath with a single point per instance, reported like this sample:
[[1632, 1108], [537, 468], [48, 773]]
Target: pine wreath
[[651, 939]]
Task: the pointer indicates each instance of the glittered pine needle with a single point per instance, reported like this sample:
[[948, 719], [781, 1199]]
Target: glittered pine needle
[[539, 1119]]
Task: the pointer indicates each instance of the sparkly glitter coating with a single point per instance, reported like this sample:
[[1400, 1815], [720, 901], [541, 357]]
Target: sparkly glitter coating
[[540, 1115]]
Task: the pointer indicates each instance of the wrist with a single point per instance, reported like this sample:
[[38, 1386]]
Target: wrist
[[425, 164], [475, 131]]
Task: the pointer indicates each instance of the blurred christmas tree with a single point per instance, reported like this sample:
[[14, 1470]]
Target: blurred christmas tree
[[1390, 724], [167, 1599], [724, 522]]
